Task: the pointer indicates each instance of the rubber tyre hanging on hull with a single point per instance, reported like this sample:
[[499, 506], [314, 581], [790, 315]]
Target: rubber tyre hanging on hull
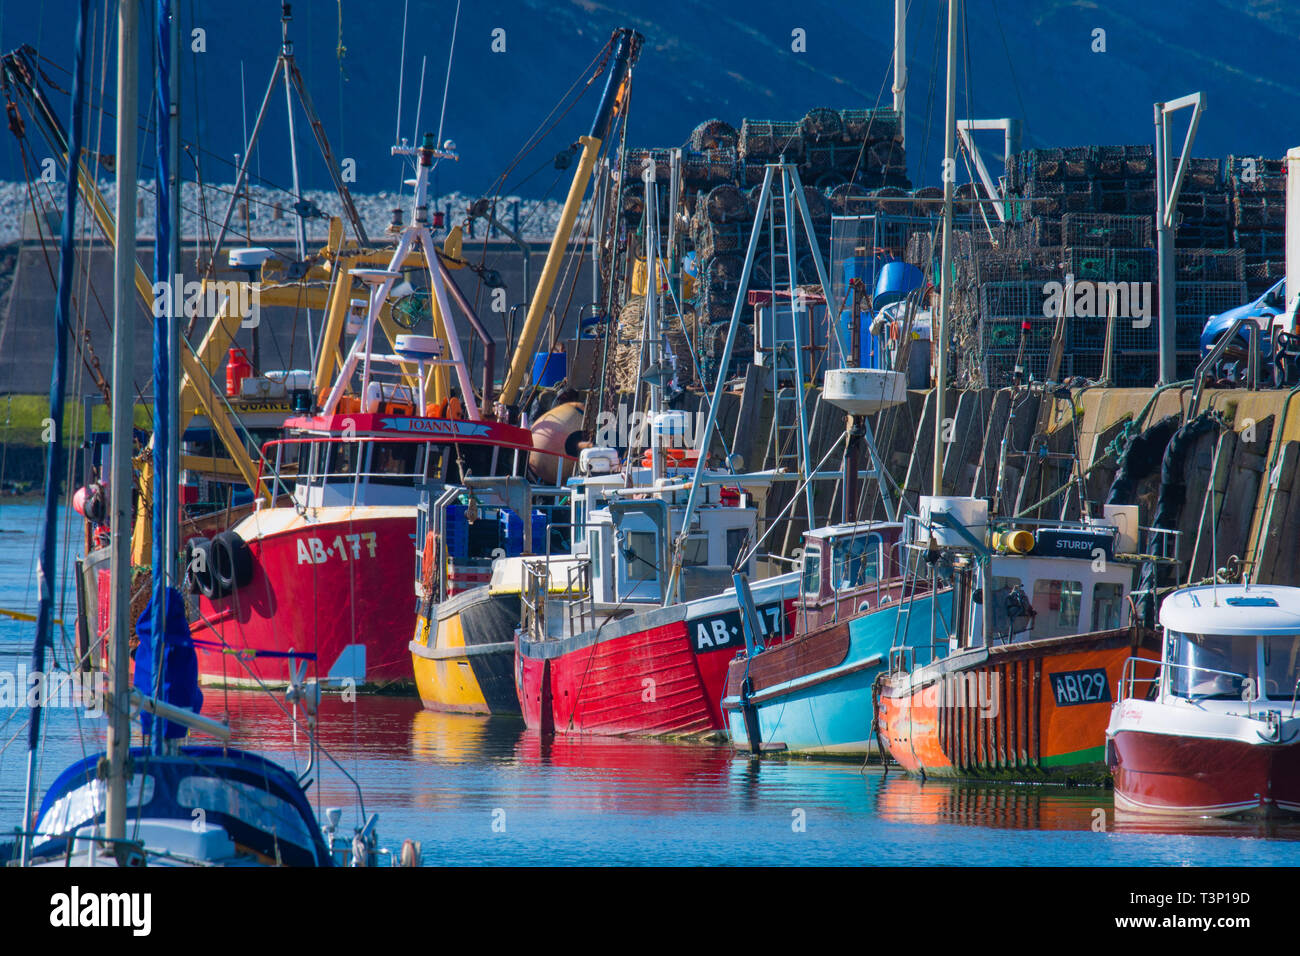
[[198, 566], [232, 562]]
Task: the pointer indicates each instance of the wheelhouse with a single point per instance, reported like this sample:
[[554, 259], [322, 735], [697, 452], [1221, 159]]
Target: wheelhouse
[[629, 542], [845, 569], [1014, 585], [1231, 643], [379, 460]]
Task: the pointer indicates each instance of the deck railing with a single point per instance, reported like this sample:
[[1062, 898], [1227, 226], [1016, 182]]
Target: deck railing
[[1129, 680], [540, 596]]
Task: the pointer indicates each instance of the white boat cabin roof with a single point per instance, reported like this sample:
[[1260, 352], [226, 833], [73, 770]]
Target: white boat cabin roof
[[853, 529], [1233, 609]]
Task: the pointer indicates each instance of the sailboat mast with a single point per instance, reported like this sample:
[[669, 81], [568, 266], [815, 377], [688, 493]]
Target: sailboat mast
[[945, 278], [120, 479], [172, 531], [46, 563], [900, 68], [164, 495]]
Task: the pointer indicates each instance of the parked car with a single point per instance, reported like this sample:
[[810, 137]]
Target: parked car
[[1262, 310]]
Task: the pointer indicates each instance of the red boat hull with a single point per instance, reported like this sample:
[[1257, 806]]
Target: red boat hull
[[319, 587], [655, 681], [1198, 776]]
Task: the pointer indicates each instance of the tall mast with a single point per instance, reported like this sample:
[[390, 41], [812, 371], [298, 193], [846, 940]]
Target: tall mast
[[900, 67], [46, 563], [120, 483], [945, 279], [164, 267], [651, 326], [174, 345]]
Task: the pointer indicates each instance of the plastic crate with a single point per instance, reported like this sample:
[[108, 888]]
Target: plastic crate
[[1257, 211], [1012, 300], [1036, 265], [1200, 300], [709, 167], [1200, 172]]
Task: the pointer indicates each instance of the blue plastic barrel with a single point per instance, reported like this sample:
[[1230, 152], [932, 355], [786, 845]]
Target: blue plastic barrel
[[896, 280], [550, 368]]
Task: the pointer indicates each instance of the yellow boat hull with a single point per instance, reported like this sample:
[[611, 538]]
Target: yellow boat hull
[[463, 654]]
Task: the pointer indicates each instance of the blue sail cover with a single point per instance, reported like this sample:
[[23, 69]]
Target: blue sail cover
[[180, 675]]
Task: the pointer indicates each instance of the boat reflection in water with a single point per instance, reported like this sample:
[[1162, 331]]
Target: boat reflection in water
[[443, 737], [904, 799], [373, 723]]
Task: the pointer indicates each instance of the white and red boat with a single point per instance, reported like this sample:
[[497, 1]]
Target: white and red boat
[[338, 554], [1212, 729], [323, 573], [611, 644]]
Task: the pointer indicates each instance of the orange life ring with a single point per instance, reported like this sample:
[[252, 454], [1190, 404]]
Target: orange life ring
[[426, 564]]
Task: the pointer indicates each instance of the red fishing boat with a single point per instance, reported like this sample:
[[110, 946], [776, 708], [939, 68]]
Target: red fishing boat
[[600, 651], [322, 573], [336, 558], [1211, 729]]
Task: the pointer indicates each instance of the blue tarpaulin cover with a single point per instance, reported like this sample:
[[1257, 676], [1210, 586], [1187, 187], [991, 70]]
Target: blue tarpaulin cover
[[180, 679]]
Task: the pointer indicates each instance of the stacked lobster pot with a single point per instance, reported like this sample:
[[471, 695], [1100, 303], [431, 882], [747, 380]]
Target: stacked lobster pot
[[1091, 209], [851, 162], [1257, 199]]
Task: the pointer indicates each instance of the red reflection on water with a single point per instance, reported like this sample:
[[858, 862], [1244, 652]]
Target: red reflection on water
[[375, 725]]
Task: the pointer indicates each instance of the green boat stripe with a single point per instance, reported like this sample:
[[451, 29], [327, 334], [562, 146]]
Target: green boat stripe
[[1089, 755]]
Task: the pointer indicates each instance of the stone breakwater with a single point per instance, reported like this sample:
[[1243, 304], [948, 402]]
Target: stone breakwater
[[271, 212]]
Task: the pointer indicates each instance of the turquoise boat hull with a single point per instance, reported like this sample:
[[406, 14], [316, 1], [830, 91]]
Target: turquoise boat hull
[[827, 711]]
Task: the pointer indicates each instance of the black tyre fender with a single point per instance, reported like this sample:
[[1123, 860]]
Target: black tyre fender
[[232, 562], [95, 507], [198, 566]]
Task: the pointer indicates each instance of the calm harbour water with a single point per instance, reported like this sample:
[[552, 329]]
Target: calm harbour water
[[487, 791]]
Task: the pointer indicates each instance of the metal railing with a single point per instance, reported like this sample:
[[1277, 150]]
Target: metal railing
[[538, 598], [1253, 334], [1129, 679]]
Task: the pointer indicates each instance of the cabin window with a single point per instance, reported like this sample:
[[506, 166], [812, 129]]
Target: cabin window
[[395, 463], [79, 806], [1281, 666], [812, 572], [341, 464], [641, 556], [696, 551], [1211, 666], [247, 803], [1107, 606], [593, 553], [736, 538], [433, 464], [1057, 604], [855, 561]]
